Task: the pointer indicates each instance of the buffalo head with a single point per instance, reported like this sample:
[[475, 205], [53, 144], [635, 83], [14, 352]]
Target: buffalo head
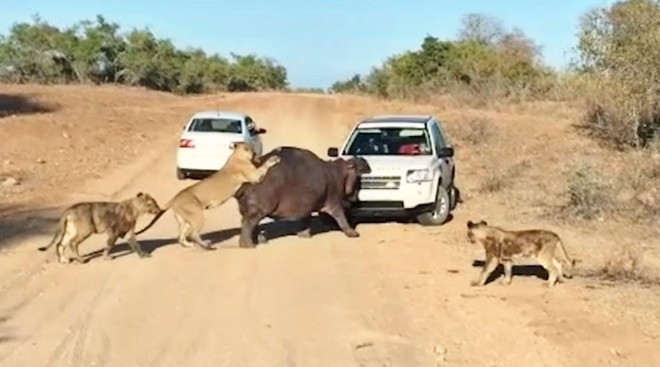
[[349, 171]]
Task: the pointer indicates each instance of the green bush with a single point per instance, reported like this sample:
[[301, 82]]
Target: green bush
[[96, 52], [486, 60], [589, 195]]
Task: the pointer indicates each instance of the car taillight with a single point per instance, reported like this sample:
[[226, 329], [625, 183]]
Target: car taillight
[[186, 143]]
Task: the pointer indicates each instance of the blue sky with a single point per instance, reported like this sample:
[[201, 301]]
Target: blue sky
[[317, 41]]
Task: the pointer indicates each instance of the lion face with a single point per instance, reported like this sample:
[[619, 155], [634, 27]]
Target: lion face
[[243, 151], [475, 231], [147, 204]]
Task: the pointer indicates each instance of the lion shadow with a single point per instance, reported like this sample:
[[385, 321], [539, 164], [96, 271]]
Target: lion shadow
[[518, 270], [276, 229], [121, 249]]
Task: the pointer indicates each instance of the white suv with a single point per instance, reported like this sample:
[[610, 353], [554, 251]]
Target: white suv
[[412, 168], [204, 146]]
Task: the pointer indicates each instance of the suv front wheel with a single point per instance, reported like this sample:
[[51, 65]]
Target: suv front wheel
[[180, 175], [440, 212]]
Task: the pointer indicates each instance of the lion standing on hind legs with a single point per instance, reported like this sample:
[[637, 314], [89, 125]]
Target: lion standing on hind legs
[[189, 204], [503, 247]]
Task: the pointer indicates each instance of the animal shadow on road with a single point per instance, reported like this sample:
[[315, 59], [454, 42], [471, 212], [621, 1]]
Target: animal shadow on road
[[518, 270], [21, 105], [17, 221], [122, 249], [319, 224]]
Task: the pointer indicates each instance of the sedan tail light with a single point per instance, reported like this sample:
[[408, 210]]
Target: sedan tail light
[[186, 143]]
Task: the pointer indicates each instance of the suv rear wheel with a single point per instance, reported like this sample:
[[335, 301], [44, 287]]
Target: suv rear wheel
[[440, 212]]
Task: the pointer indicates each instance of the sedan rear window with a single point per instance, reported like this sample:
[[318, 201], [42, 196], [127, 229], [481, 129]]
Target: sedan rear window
[[216, 125]]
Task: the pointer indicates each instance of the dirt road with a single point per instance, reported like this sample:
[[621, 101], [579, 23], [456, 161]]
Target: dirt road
[[397, 296]]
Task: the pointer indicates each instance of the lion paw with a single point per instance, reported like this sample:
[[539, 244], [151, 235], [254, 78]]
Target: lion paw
[[272, 161]]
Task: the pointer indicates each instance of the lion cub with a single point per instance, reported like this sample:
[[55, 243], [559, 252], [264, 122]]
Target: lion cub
[[189, 204], [117, 219], [504, 247]]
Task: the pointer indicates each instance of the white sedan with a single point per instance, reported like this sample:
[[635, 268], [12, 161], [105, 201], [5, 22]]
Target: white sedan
[[204, 146]]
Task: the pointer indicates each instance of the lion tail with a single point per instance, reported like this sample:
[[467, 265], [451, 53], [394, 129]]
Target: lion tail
[[59, 234], [165, 208]]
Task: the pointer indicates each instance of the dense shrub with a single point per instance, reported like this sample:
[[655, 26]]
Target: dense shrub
[[619, 48], [95, 51], [486, 61]]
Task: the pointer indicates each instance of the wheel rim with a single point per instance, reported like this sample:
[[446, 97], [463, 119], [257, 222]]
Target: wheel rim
[[440, 208]]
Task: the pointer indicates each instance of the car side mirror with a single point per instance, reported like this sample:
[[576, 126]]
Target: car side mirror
[[333, 152], [258, 131], [446, 152]]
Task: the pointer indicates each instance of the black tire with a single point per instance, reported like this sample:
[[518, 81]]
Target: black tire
[[180, 175], [440, 213], [453, 197]]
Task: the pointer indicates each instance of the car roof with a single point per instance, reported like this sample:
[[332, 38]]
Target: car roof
[[219, 114], [398, 118]]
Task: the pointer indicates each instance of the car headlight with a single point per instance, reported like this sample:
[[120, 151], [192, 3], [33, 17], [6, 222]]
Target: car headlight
[[418, 175]]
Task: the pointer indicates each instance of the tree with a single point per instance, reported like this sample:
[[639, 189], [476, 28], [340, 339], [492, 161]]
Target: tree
[[487, 60], [96, 51], [481, 29], [619, 49]]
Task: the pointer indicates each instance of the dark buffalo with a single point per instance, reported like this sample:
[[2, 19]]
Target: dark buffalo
[[301, 184]]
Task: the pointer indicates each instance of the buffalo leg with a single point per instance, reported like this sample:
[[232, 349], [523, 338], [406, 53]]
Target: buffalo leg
[[248, 225], [338, 214], [305, 227]]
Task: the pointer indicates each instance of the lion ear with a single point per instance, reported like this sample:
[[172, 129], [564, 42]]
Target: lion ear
[[140, 194], [470, 224], [483, 222]]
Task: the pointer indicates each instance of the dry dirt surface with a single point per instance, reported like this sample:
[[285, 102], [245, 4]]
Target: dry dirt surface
[[399, 295]]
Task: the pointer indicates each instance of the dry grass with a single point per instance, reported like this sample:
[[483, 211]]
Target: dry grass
[[589, 193], [498, 179], [477, 131], [626, 264]]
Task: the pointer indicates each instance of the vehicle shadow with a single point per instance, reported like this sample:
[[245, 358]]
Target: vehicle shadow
[[518, 270], [22, 105], [18, 221]]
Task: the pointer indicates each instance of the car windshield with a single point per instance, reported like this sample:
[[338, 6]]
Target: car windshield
[[389, 141], [216, 125]]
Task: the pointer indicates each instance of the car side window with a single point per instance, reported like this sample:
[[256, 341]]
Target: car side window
[[438, 139]]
